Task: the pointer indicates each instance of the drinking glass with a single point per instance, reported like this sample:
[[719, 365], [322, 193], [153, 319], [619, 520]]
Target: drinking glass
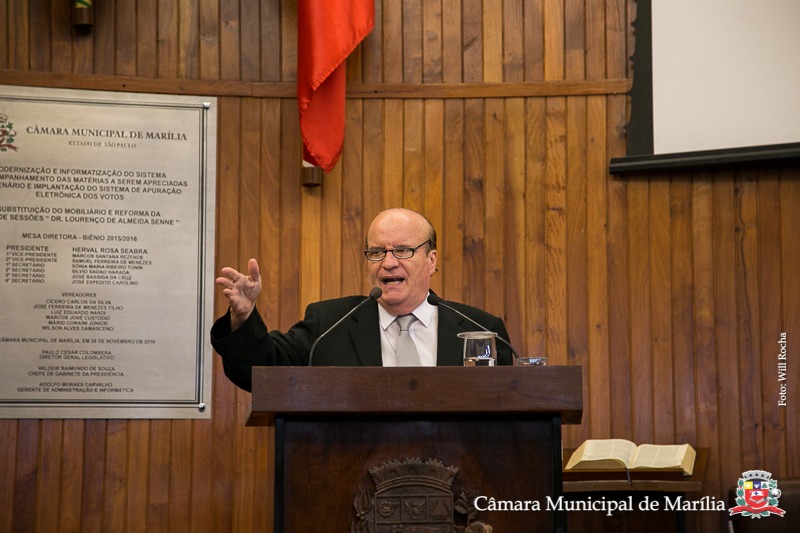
[[480, 348]]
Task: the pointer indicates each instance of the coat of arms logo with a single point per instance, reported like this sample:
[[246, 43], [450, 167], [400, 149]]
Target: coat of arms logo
[[7, 134], [414, 496], [757, 495]]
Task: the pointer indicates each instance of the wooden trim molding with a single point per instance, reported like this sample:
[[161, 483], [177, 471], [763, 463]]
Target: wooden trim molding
[[288, 89]]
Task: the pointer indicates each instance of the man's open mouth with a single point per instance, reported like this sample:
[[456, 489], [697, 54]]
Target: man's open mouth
[[392, 280]]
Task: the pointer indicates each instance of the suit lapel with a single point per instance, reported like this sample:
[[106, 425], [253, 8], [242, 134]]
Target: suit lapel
[[451, 347], [365, 334]]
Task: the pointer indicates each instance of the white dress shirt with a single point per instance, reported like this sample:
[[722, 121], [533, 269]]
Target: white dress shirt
[[423, 331]]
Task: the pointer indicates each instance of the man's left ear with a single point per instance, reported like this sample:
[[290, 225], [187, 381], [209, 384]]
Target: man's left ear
[[434, 258]]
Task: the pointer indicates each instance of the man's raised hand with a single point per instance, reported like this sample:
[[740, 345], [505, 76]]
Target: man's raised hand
[[241, 291]]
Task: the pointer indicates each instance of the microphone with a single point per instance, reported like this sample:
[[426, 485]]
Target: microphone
[[434, 299], [374, 294]]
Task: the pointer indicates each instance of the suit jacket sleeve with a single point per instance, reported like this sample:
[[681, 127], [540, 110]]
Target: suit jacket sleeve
[[253, 345], [354, 342]]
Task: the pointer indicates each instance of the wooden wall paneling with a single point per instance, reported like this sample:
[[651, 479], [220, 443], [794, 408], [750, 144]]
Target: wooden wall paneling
[[617, 31], [451, 232], [8, 473], [472, 40], [227, 16], [555, 232], [640, 294], [94, 458], [451, 41], [790, 266], [393, 153], [83, 47], [263, 466], [7, 37], [223, 456], [574, 40], [168, 46], [115, 473], [125, 32], [682, 356], [269, 222], [513, 22], [290, 215], [433, 171], [748, 317], [61, 42], [248, 173], [245, 168], [139, 480], [494, 247], [431, 41], [412, 48], [391, 27], [232, 226], [706, 410], [149, 505], [597, 415], [181, 476], [372, 164], [535, 326], [227, 201], [39, 18], [250, 44], [104, 40], [553, 18], [191, 40], [270, 54], [596, 39], [555, 238], [619, 310], [288, 36], [492, 39], [328, 257], [310, 232], [49, 474], [26, 475], [413, 154], [514, 219], [577, 326], [200, 494], [351, 220], [770, 296], [726, 328], [474, 202], [72, 475], [576, 151], [18, 41], [533, 46], [242, 500], [661, 279], [146, 17]]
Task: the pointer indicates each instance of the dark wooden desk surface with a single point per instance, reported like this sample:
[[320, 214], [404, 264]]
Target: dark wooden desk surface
[[640, 481]]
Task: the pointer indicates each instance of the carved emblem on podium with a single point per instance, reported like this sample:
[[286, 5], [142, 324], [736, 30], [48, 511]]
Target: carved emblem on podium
[[414, 496]]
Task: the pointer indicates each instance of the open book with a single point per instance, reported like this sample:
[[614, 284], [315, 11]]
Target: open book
[[621, 454]]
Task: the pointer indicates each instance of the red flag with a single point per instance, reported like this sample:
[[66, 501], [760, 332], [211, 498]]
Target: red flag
[[327, 32]]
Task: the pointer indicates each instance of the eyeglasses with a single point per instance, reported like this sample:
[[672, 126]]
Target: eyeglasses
[[399, 253]]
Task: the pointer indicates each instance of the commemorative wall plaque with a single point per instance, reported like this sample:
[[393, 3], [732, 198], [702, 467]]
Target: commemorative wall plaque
[[107, 232]]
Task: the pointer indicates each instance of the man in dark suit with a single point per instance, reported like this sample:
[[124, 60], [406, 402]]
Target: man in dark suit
[[401, 249]]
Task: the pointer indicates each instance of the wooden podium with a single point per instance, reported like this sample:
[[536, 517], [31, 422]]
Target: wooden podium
[[389, 449]]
